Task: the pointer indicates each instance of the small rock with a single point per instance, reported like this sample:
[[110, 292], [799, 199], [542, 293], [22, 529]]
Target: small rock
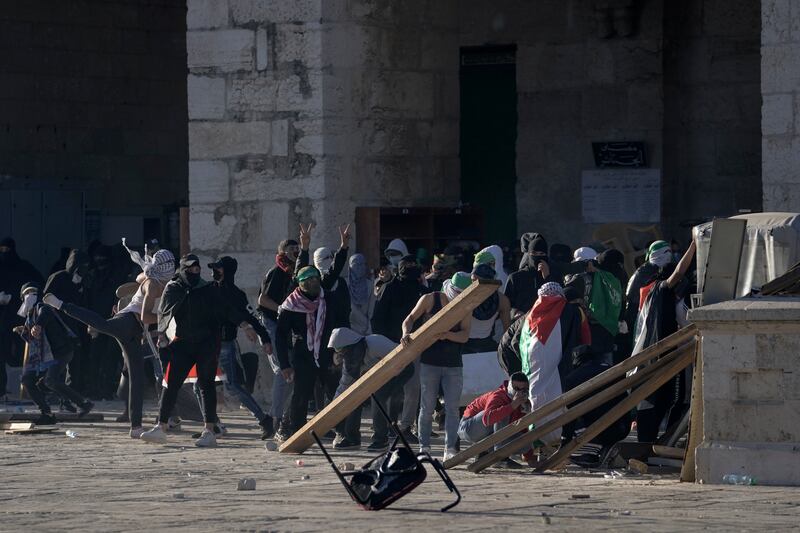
[[299, 462], [178, 495], [625, 513], [247, 483], [305, 477], [271, 446], [347, 467], [580, 497], [545, 520], [233, 460], [545, 495], [637, 466]]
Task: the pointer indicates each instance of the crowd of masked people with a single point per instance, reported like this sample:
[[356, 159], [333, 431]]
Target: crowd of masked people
[[323, 318]]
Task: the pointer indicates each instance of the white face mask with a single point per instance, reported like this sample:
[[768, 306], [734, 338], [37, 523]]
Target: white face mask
[[323, 265], [27, 304], [394, 260], [76, 278]]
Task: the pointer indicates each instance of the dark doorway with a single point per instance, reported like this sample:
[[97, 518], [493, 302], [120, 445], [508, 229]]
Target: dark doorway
[[489, 137]]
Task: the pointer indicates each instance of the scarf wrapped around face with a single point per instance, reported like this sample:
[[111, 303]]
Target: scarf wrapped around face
[[314, 310], [162, 266], [283, 262], [357, 280]]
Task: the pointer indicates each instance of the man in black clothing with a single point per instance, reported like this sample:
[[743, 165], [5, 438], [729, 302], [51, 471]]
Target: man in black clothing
[[229, 356], [395, 303], [535, 271], [14, 273], [68, 286], [275, 288], [199, 311]]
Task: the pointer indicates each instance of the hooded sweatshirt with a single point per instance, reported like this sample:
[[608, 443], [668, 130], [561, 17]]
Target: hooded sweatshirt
[[495, 406], [522, 286], [62, 283], [236, 298], [14, 273], [497, 252]]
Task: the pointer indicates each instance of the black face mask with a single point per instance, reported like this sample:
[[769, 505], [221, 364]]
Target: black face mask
[[190, 278], [412, 272], [217, 275], [5, 257]]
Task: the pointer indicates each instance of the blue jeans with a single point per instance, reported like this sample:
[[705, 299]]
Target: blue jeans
[[228, 362], [451, 380], [280, 389], [472, 429]]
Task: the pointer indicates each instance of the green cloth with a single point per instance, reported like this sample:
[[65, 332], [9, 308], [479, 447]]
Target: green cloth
[[525, 341], [657, 245], [483, 258], [605, 300], [307, 272], [461, 280]]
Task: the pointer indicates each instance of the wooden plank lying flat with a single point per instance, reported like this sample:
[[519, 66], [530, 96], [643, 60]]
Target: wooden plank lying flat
[[648, 388], [669, 452], [524, 440], [31, 431], [390, 366], [570, 397], [61, 417], [15, 426]]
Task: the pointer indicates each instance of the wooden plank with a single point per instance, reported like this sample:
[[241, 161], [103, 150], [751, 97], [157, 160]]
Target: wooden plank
[[61, 417], [526, 439], [391, 365], [696, 420], [572, 396], [15, 426], [669, 452], [618, 411], [31, 431]]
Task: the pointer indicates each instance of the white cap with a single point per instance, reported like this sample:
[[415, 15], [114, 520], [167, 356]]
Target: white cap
[[584, 253]]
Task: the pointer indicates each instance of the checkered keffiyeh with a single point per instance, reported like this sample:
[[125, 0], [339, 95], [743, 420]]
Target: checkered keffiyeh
[[162, 268], [551, 288]]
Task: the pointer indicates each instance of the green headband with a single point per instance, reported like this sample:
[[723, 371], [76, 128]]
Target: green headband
[[307, 272], [483, 258], [654, 247], [461, 280]]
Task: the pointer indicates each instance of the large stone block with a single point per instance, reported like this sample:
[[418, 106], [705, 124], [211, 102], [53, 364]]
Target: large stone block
[[209, 182], [780, 158], [206, 97], [261, 11], [255, 93], [225, 50], [782, 197], [780, 68], [216, 140], [775, 21], [211, 229], [300, 42], [280, 137], [204, 14], [406, 94], [274, 224]]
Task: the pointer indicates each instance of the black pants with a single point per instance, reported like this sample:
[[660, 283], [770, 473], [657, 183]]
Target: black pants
[[11, 348], [668, 399], [182, 356], [54, 379], [127, 330], [616, 431], [306, 374]]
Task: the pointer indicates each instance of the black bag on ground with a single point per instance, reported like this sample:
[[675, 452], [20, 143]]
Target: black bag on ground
[[391, 475]]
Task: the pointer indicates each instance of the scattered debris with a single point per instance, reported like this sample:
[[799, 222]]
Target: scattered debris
[[247, 483], [637, 466], [177, 495], [71, 434], [347, 467], [271, 446], [579, 497], [305, 477], [299, 462]]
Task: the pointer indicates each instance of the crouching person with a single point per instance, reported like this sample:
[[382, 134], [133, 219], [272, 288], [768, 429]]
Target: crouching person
[[493, 411], [359, 353]]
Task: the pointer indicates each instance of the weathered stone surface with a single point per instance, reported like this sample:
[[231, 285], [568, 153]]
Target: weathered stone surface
[[261, 11], [226, 50], [209, 182], [205, 14], [206, 97], [213, 140], [780, 68], [211, 228]]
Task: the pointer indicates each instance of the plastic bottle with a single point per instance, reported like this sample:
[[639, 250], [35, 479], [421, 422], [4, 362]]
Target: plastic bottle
[[71, 434], [738, 479]]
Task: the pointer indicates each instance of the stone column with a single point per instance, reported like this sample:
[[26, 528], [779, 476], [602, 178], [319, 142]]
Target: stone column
[[780, 89], [751, 390]]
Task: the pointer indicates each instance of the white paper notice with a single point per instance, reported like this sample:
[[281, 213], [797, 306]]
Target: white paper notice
[[621, 195]]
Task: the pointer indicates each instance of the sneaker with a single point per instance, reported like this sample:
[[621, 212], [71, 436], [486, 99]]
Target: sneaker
[[378, 446], [123, 417], [219, 431], [86, 408], [338, 438], [346, 444], [409, 436], [282, 436], [425, 449], [68, 407], [449, 453], [267, 429], [154, 436], [509, 464], [136, 433], [174, 423], [206, 440], [46, 419], [52, 300]]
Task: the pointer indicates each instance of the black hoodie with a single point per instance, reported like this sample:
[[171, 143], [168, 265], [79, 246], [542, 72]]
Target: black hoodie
[[14, 273], [236, 298], [60, 283]]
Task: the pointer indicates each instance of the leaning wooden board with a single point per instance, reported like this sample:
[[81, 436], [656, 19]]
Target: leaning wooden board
[[390, 366]]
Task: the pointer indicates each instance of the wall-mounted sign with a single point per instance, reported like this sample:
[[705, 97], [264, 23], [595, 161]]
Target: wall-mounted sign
[[621, 195], [625, 154]]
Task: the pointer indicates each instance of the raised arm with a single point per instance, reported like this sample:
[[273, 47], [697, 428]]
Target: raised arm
[[682, 267]]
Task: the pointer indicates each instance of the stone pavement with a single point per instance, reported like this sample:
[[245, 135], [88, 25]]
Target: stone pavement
[[104, 481]]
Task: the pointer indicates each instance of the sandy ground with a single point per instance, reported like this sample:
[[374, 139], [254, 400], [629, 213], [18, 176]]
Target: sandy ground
[[104, 481]]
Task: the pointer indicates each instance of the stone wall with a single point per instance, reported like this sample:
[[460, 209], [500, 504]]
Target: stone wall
[[712, 146], [574, 88], [93, 97], [780, 118]]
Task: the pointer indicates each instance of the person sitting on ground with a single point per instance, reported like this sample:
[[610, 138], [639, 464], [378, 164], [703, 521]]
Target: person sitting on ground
[[494, 410], [358, 353]]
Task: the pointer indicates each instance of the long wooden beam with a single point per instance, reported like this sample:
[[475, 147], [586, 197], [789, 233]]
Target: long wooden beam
[[526, 439], [570, 397], [618, 411], [391, 365]]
